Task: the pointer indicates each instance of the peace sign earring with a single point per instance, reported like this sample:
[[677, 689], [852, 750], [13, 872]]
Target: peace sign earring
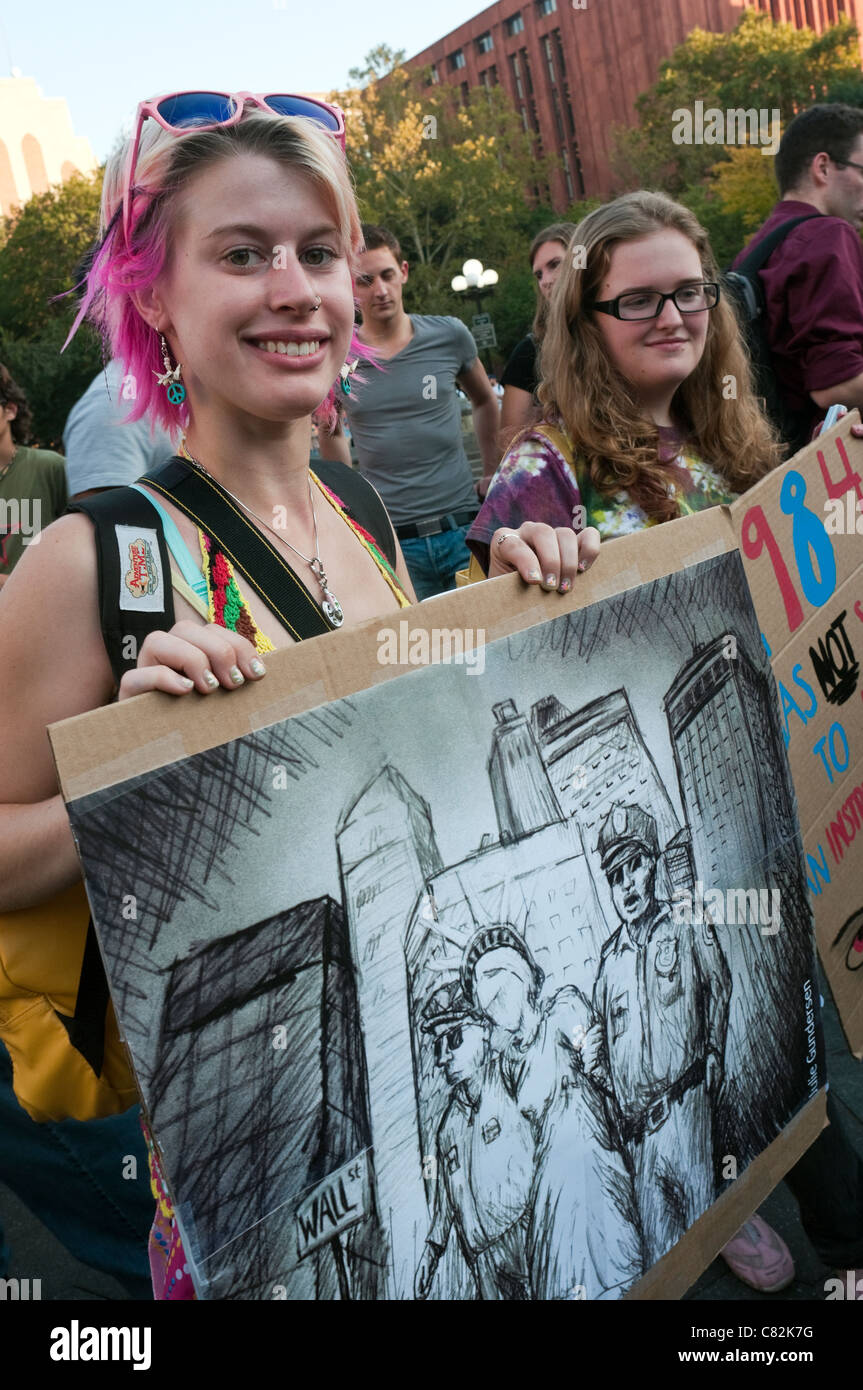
[[170, 378]]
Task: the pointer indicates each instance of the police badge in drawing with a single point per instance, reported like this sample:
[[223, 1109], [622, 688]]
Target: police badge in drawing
[[477, 989]]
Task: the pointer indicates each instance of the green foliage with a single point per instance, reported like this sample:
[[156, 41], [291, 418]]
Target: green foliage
[[41, 244], [44, 240], [448, 179], [52, 382], [762, 65]]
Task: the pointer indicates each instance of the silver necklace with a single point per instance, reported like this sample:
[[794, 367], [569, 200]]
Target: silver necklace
[[330, 606]]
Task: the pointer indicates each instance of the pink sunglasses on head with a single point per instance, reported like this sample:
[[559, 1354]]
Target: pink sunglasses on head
[[182, 111]]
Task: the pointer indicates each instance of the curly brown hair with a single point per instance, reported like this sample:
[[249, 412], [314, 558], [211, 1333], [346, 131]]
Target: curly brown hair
[[582, 388], [11, 394]]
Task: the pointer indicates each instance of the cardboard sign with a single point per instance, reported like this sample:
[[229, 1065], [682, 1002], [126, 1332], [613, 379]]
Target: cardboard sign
[[800, 532], [528, 927]]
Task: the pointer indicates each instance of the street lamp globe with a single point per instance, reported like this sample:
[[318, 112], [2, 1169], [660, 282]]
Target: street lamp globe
[[458, 283], [472, 271], [488, 277]]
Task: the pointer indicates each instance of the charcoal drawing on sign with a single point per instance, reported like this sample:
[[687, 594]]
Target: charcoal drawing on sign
[[469, 988]]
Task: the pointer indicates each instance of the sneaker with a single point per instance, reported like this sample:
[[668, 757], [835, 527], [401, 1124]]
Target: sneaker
[[759, 1257]]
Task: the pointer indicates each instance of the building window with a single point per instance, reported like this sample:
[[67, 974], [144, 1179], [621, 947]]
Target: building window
[[546, 6], [569, 116], [514, 25], [528, 78], [546, 44], [561, 61], [516, 75], [488, 78], [465, 93], [434, 75], [456, 60], [570, 191], [485, 43]]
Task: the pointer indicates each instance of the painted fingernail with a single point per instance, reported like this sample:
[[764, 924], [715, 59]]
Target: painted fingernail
[[534, 576], [184, 680], [236, 675], [258, 667], [210, 680], [564, 586], [551, 581], [581, 567]]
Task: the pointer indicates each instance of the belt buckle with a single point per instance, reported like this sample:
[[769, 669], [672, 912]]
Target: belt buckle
[[657, 1114], [427, 528]]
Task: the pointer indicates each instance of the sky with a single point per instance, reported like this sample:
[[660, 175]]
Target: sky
[[104, 58]]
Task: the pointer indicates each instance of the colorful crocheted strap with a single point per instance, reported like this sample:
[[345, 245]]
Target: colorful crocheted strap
[[367, 541], [225, 604]]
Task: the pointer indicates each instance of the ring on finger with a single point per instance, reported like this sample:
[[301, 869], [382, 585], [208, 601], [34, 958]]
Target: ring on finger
[[506, 536]]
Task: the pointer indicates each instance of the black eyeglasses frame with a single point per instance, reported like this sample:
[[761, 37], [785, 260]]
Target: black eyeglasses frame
[[612, 306]]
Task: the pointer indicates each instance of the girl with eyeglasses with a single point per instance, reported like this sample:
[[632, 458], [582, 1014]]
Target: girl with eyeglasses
[[647, 407], [648, 414]]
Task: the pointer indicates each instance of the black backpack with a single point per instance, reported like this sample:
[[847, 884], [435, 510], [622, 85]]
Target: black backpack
[[123, 506], [745, 290]]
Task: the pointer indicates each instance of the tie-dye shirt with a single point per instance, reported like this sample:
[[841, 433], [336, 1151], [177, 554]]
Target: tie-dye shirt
[[535, 482]]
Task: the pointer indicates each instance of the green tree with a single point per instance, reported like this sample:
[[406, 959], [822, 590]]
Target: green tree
[[44, 240], [53, 381], [448, 179], [760, 64], [41, 244]]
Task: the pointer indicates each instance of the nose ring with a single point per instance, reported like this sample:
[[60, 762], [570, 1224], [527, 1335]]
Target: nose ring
[[317, 304]]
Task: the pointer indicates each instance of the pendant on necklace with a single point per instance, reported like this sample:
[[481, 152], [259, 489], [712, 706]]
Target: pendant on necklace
[[332, 609], [330, 606]]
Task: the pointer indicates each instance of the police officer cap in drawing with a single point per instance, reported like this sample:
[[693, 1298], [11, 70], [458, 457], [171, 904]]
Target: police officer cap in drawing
[[457, 1031], [625, 831]]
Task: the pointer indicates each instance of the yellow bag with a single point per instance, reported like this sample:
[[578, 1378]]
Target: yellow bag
[[472, 575], [562, 442], [56, 1017]]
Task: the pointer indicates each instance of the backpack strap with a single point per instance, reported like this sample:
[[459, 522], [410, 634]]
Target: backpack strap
[[134, 572], [757, 259], [361, 501]]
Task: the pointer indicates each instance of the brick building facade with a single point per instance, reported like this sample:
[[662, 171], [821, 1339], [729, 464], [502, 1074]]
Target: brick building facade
[[573, 68]]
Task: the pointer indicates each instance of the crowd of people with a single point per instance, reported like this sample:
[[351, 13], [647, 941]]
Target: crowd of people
[[613, 419]]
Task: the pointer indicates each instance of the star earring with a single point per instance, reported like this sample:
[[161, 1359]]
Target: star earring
[[346, 373], [170, 378]]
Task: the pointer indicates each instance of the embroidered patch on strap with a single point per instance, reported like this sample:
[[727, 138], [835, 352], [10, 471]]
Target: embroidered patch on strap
[[142, 588]]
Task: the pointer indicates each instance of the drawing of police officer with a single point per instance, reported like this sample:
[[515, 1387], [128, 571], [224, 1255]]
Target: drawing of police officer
[[662, 996], [484, 1155], [582, 1226]]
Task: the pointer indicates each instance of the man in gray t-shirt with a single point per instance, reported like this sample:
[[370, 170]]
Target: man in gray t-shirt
[[405, 419], [101, 449]]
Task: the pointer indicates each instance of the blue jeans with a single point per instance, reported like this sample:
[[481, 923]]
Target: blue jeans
[[70, 1175], [433, 560]]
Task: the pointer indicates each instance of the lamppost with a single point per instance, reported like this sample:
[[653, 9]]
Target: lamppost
[[477, 282], [474, 281]]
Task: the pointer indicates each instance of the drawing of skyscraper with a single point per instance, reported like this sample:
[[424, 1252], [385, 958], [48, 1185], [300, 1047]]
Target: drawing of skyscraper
[[261, 1066], [725, 734], [387, 853], [524, 798], [596, 758]]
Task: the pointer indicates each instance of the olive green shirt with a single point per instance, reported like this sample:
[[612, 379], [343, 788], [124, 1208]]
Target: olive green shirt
[[32, 495]]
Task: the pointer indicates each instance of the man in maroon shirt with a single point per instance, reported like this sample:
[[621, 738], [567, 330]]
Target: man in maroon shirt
[[813, 282]]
